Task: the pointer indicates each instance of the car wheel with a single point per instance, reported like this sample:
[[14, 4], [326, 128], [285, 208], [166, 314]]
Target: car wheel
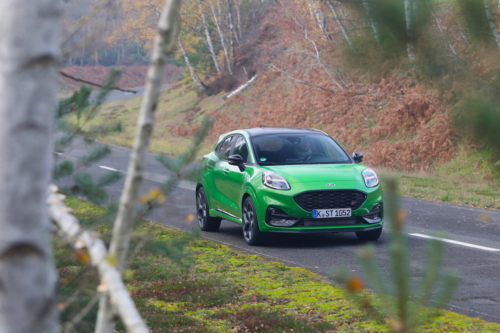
[[371, 235], [205, 221], [250, 225]]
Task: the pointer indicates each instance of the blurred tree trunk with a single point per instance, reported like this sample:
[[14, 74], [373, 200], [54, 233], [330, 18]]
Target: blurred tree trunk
[[369, 13], [341, 25], [168, 27], [491, 22], [221, 36], [410, 26], [209, 39], [29, 51]]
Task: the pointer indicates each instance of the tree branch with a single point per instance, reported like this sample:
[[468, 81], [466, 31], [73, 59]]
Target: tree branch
[[276, 69], [94, 84], [111, 280]]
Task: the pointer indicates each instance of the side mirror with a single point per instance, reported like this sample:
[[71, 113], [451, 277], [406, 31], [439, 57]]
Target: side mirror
[[238, 161], [357, 157]]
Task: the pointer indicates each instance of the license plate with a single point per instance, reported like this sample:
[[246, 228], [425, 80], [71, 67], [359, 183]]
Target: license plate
[[329, 213]]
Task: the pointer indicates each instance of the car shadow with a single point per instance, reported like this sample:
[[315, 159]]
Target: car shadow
[[302, 240]]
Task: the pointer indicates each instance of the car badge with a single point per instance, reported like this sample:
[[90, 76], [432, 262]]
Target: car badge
[[330, 184]]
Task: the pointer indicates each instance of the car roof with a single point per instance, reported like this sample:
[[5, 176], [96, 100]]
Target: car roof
[[257, 131]]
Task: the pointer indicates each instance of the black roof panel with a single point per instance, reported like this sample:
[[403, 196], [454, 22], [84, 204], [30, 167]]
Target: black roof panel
[[256, 131]]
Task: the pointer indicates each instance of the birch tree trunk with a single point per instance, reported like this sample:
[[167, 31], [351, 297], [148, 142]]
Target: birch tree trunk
[[317, 15], [168, 27], [29, 50], [194, 76], [410, 29], [238, 16], [221, 36], [369, 13], [209, 39], [341, 25], [491, 22]]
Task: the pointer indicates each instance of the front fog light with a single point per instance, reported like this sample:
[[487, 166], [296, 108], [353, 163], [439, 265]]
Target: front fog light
[[278, 218], [375, 215]]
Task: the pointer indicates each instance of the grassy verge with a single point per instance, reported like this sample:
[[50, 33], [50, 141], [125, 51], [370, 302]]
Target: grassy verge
[[218, 289]]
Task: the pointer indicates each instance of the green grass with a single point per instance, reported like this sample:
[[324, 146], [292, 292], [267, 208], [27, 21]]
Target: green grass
[[218, 289], [467, 180]]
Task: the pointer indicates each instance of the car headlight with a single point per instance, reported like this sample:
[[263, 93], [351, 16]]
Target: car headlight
[[274, 180], [370, 177]]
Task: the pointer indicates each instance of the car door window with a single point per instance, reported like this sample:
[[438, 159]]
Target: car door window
[[223, 150], [240, 148]]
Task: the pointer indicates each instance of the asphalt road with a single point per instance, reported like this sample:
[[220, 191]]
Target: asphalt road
[[472, 250]]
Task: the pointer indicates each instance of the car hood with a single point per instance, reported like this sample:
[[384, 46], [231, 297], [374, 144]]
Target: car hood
[[319, 172]]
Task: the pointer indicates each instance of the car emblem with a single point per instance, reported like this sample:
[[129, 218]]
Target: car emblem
[[330, 184]]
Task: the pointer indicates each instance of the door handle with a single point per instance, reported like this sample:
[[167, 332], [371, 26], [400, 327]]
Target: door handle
[[225, 171]]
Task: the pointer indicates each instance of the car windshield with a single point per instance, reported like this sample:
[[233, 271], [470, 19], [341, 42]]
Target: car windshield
[[297, 149]]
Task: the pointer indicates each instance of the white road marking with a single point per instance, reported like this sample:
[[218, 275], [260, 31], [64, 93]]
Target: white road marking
[[457, 242], [107, 168]]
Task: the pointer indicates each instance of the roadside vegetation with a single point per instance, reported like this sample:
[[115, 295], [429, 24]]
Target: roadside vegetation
[[215, 288]]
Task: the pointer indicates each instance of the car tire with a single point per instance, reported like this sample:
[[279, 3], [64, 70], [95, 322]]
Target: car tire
[[370, 235], [250, 224], [205, 221]]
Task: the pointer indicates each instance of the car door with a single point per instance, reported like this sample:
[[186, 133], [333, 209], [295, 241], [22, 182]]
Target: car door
[[234, 182], [220, 170]]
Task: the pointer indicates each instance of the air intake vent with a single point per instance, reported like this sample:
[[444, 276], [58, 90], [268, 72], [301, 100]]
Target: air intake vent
[[330, 199]]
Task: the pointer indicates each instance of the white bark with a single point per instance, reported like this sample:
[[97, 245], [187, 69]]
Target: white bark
[[450, 46], [409, 29], [373, 23], [491, 22], [221, 36], [193, 74], [29, 51], [168, 27], [209, 39], [238, 15], [241, 88], [111, 281], [341, 25], [317, 15]]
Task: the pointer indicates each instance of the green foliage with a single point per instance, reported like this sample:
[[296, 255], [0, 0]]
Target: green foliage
[[478, 117], [399, 309]]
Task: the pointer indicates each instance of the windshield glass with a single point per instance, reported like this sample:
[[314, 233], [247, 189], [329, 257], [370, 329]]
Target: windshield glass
[[297, 149]]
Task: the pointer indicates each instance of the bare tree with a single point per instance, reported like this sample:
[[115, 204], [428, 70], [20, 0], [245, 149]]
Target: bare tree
[[192, 72], [491, 22], [221, 36], [209, 38], [341, 25], [168, 27], [410, 27], [29, 53]]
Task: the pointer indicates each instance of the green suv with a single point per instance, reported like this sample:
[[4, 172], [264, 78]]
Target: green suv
[[288, 180]]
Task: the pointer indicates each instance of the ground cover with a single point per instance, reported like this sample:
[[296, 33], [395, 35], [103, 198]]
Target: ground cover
[[218, 289]]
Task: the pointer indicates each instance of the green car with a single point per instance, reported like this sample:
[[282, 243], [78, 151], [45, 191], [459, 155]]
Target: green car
[[287, 180]]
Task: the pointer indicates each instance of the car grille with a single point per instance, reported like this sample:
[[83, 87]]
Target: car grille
[[330, 199], [330, 222]]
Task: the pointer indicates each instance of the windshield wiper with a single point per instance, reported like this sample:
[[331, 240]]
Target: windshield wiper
[[266, 163]]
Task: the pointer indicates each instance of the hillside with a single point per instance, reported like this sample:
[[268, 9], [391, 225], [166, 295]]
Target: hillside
[[399, 113]]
